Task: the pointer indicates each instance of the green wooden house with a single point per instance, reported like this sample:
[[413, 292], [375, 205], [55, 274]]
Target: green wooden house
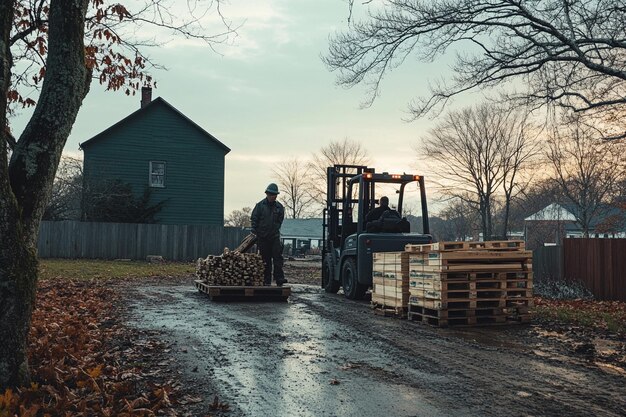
[[159, 148]]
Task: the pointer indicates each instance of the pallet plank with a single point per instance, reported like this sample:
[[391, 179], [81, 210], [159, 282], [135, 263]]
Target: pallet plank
[[243, 293], [450, 246]]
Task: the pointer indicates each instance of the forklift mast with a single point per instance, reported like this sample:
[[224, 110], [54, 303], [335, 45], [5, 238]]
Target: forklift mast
[[338, 177]]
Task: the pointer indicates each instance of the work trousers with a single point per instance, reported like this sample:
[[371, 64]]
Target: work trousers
[[272, 253]]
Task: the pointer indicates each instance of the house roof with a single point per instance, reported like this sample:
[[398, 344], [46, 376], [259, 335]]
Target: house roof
[[301, 228], [553, 212], [606, 215], [156, 102]]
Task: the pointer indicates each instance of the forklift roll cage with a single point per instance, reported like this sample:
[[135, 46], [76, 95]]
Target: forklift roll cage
[[339, 207]]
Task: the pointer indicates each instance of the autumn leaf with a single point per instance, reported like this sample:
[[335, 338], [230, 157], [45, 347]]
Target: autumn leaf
[[95, 372]]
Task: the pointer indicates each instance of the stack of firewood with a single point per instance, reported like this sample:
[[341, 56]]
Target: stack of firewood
[[232, 268]]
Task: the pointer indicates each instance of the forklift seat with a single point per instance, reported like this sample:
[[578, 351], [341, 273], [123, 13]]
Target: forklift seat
[[389, 222]]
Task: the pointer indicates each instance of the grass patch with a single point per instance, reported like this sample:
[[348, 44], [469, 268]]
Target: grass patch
[[607, 315], [89, 269]]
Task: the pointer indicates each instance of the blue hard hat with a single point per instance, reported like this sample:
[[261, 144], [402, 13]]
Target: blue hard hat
[[272, 189]]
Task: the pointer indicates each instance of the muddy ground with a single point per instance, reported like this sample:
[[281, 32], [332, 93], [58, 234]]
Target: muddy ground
[[323, 355]]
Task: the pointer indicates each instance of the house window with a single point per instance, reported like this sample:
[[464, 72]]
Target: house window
[[157, 174]]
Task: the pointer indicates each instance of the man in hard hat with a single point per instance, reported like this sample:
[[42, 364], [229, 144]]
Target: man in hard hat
[[267, 217]]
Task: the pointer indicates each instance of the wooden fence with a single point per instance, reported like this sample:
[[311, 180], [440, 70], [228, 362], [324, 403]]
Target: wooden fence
[[73, 239], [600, 264], [548, 263]]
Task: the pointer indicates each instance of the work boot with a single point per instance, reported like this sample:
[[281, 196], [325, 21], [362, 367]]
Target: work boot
[[281, 282]]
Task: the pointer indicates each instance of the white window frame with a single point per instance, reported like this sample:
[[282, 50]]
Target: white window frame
[[152, 174]]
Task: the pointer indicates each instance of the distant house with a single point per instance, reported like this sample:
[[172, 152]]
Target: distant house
[[301, 234], [160, 149], [557, 221]]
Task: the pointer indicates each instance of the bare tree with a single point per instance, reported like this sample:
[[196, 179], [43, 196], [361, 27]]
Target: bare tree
[[519, 151], [239, 218], [586, 168], [344, 152], [116, 201], [479, 153], [461, 220], [67, 191], [568, 53], [294, 180], [69, 48]]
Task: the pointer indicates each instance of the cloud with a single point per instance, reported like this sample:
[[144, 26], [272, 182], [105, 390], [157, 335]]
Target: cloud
[[259, 25], [265, 159]]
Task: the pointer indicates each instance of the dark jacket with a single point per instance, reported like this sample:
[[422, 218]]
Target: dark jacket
[[375, 214], [267, 219]]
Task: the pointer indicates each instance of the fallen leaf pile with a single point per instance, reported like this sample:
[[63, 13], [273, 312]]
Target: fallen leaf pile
[[76, 355], [592, 331], [606, 315]]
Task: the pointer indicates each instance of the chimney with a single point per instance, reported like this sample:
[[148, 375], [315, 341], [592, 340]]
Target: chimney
[[146, 96]]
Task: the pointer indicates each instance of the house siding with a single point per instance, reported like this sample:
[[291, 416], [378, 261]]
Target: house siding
[[194, 177]]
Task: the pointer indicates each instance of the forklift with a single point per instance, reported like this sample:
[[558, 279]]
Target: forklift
[[347, 246]]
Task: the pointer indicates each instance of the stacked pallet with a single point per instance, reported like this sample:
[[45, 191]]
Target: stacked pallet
[[243, 293], [232, 268], [469, 283], [390, 295]]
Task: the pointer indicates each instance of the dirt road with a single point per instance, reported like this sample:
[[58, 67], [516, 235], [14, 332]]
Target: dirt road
[[323, 355]]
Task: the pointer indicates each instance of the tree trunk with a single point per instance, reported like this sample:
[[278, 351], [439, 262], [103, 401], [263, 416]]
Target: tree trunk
[[505, 221], [483, 217], [18, 279], [26, 183], [489, 219]]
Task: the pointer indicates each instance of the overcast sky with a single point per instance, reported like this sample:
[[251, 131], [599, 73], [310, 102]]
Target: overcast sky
[[269, 97]]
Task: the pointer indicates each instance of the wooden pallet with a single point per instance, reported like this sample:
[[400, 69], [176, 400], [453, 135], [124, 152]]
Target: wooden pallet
[[390, 282], [484, 293], [389, 311], [460, 286], [243, 293], [457, 303], [501, 245], [440, 266], [464, 318], [457, 321], [471, 255], [391, 300], [470, 276], [456, 313]]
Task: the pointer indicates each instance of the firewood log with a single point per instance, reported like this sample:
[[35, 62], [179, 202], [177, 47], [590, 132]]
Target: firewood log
[[232, 268]]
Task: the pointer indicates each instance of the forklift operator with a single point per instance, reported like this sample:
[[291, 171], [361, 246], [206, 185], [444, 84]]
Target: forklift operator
[[375, 214], [267, 218]]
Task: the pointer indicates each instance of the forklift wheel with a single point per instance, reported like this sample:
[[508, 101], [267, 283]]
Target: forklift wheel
[[329, 284], [351, 287]]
